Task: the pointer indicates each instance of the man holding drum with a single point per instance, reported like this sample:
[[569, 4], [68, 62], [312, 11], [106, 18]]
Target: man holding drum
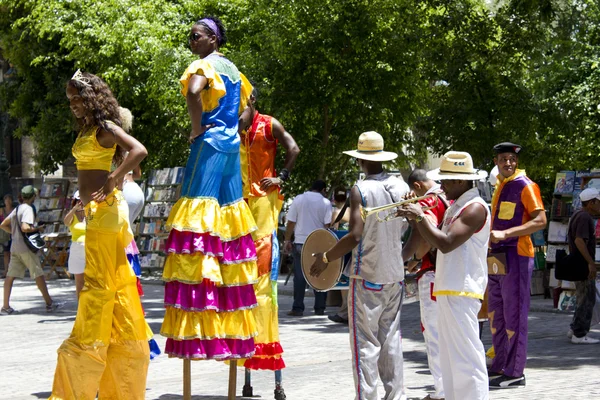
[[376, 275]]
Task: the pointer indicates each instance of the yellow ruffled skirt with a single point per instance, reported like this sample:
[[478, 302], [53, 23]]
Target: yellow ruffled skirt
[[268, 350], [107, 353]]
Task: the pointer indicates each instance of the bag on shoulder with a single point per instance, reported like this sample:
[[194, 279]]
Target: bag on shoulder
[[34, 241], [572, 267]]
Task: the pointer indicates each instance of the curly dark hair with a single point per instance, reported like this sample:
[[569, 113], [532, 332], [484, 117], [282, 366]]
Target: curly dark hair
[[216, 20], [101, 102]]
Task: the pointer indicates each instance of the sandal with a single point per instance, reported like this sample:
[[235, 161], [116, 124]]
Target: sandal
[[8, 310]]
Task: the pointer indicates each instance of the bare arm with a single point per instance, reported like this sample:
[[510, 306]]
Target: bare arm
[[289, 230], [582, 247], [5, 226], [289, 144], [416, 244], [348, 242], [68, 219], [26, 228], [291, 153], [193, 99], [537, 222], [471, 220], [137, 152], [137, 173]]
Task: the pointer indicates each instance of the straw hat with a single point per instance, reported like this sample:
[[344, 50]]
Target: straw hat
[[370, 147], [457, 165]]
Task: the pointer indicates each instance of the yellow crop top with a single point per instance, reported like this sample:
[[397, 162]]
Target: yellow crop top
[[77, 229], [89, 154]]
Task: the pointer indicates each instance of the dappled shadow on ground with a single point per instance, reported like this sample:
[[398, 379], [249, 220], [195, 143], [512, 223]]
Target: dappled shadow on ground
[[60, 320], [42, 395], [200, 397]]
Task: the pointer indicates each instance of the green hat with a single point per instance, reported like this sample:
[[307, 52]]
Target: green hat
[[28, 191]]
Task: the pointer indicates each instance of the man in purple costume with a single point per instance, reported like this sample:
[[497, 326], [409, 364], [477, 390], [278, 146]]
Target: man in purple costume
[[517, 212]]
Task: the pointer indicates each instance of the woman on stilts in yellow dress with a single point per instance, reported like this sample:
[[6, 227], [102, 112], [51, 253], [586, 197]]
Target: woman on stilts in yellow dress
[[107, 354]]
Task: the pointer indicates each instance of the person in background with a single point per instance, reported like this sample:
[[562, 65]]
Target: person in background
[[134, 197], [21, 257], [260, 136], [418, 251], [339, 200], [308, 212], [6, 210], [582, 239], [517, 212], [75, 220], [133, 193]]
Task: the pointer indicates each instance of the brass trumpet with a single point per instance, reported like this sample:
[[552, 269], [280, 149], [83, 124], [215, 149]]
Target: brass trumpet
[[366, 211]]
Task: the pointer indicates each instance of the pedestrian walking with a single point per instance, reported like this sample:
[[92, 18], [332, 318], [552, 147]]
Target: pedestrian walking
[[19, 223], [582, 242]]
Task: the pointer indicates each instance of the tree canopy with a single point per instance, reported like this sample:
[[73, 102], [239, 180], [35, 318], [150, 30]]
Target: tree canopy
[[431, 75]]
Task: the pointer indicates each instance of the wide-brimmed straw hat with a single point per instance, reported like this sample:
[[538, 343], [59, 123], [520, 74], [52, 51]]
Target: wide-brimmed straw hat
[[457, 165], [370, 147]]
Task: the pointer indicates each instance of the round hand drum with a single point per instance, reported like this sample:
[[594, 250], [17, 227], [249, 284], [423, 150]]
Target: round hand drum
[[320, 241]]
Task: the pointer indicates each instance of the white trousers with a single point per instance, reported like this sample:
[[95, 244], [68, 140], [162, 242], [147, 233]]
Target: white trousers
[[375, 339], [134, 196], [462, 355], [429, 324]]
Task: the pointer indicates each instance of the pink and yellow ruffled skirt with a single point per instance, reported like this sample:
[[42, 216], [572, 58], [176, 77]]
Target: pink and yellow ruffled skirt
[[209, 272]]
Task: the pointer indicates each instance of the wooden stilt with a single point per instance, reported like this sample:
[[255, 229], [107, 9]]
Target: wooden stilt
[[187, 380], [232, 379]]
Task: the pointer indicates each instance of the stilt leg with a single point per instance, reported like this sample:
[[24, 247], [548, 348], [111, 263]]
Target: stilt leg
[[279, 393], [247, 389], [232, 379], [187, 380]]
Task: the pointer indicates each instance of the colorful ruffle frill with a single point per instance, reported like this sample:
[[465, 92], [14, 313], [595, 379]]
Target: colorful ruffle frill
[[209, 272], [268, 354]]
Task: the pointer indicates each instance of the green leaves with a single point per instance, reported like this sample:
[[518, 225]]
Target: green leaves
[[430, 76]]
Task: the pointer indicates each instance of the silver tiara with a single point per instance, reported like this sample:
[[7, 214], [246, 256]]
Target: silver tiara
[[78, 76]]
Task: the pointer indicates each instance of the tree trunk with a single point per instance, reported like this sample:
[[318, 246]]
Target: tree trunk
[[325, 140]]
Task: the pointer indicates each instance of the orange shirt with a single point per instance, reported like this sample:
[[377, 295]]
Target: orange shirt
[[257, 155], [515, 199]]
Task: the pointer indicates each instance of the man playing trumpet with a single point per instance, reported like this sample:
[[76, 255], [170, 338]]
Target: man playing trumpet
[[461, 274], [376, 275]]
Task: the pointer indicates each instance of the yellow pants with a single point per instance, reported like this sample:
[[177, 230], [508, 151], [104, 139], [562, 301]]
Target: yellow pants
[[107, 353]]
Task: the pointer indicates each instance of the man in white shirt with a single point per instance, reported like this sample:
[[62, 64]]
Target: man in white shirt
[[21, 257], [308, 212], [461, 274]]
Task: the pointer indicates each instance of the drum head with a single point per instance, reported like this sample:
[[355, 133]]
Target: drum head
[[320, 241]]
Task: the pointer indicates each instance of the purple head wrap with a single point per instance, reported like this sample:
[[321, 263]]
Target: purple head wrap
[[213, 27]]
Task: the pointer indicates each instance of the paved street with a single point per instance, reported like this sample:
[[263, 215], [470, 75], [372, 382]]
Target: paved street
[[317, 354]]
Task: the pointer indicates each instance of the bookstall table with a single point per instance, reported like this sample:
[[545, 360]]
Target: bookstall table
[[56, 254], [163, 189]]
